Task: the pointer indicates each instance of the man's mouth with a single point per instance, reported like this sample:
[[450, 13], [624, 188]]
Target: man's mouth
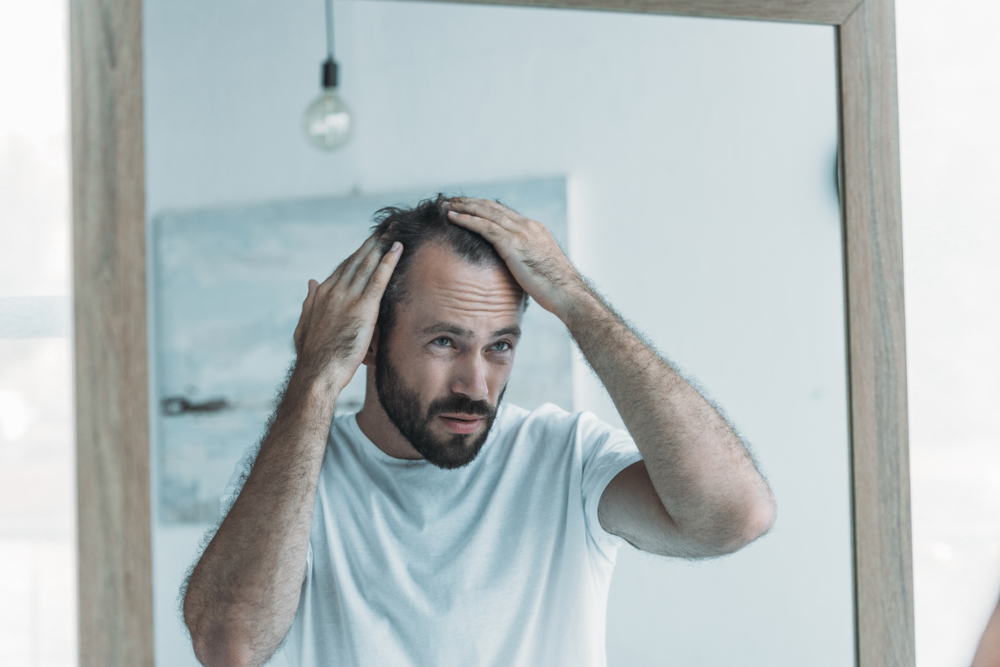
[[460, 423]]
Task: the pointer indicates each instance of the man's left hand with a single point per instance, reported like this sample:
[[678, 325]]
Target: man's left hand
[[529, 249]]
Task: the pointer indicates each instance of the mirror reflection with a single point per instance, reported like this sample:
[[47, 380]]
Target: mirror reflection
[[686, 168]]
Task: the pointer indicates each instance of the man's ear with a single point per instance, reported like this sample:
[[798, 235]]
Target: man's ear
[[369, 359]]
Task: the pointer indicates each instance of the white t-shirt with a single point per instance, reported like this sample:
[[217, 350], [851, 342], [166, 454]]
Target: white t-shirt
[[500, 563]]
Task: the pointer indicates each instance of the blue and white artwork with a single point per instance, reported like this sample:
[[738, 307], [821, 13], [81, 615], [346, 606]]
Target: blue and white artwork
[[228, 289]]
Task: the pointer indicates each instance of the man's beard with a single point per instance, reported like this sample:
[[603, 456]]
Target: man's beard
[[402, 405]]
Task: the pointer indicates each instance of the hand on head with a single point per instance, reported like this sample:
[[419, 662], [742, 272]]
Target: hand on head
[[529, 249], [339, 315]]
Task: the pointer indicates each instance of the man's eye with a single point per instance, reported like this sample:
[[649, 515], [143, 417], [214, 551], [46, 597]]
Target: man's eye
[[442, 341], [502, 346]]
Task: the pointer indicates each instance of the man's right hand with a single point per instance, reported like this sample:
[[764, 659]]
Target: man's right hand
[[339, 315]]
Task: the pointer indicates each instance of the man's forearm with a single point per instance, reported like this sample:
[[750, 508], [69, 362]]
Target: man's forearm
[[700, 469], [244, 592]]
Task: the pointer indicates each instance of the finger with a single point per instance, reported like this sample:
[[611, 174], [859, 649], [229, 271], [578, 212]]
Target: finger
[[474, 201], [383, 271], [485, 227], [348, 266], [367, 266], [307, 305], [489, 210], [337, 273], [359, 259], [468, 205]]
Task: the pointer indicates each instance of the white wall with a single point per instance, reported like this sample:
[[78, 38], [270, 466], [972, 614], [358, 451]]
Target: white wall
[[700, 155], [949, 97]]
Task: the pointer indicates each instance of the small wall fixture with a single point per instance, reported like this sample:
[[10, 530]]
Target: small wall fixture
[[327, 120]]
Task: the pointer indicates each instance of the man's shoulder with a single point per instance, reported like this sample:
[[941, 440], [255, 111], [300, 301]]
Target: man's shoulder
[[514, 416], [551, 422], [548, 418]]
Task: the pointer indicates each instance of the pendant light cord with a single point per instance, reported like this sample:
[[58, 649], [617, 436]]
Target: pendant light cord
[[329, 69], [329, 29]]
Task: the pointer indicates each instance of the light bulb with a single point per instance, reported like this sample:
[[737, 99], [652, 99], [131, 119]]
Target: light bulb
[[327, 121]]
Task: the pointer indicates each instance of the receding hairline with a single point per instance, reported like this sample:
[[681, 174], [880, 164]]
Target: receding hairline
[[426, 226], [441, 241], [489, 262], [486, 263]]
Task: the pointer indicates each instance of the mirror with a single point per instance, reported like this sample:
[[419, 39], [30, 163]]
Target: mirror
[[697, 159]]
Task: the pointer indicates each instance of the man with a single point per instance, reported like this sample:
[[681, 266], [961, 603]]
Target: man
[[437, 527]]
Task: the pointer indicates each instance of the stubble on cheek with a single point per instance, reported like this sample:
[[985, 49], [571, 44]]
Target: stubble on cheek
[[422, 427]]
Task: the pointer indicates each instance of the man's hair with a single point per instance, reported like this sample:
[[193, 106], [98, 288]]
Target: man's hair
[[424, 224]]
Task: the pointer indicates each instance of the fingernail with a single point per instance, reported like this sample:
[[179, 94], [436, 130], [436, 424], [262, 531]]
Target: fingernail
[[395, 246]]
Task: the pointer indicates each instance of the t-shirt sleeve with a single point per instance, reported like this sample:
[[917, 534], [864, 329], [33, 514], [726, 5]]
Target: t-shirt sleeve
[[606, 452]]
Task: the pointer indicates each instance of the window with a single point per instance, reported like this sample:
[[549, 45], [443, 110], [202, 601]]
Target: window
[[37, 473]]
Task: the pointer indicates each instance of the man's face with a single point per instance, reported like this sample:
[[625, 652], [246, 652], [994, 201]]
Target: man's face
[[442, 372]]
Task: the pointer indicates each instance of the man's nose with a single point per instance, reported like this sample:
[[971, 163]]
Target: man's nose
[[470, 378]]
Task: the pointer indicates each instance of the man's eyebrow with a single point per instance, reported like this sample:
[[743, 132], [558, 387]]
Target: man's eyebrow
[[447, 327], [512, 330]]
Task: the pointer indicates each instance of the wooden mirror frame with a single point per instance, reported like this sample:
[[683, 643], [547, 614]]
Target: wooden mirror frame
[[109, 274]]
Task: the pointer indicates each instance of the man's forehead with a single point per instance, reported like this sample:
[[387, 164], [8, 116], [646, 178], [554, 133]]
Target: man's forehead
[[441, 286]]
